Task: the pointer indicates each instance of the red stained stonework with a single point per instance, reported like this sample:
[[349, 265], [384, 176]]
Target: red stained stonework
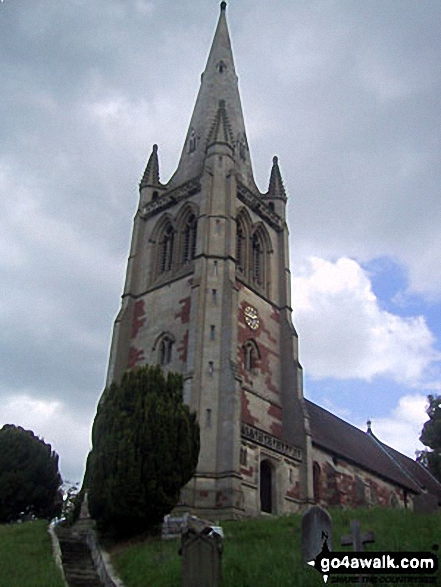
[[247, 472], [135, 357], [247, 416], [138, 317], [221, 499], [203, 493], [294, 492], [276, 430], [183, 348], [275, 315], [184, 312], [263, 364], [354, 489], [276, 427]]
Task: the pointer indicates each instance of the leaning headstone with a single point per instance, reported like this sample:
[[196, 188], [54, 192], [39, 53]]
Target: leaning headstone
[[173, 526], [201, 553], [425, 503], [316, 532]]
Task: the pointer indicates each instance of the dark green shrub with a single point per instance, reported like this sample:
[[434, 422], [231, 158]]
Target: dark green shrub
[[145, 449], [29, 478]]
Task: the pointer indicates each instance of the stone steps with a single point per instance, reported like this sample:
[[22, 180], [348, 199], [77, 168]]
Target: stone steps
[[77, 560]]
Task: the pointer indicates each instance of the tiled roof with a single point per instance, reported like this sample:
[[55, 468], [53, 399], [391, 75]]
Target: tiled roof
[[342, 439], [420, 474]]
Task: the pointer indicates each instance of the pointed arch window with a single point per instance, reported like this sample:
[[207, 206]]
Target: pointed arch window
[[166, 249], [258, 261], [165, 350], [251, 356], [189, 239], [192, 142], [240, 248]]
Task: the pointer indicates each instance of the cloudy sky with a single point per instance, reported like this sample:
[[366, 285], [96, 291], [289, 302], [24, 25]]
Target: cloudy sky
[[346, 93]]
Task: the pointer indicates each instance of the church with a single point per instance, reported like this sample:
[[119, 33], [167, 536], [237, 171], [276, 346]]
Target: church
[[208, 294]]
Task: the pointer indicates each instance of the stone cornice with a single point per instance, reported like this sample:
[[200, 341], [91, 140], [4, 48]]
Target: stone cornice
[[170, 198], [268, 440], [261, 208]]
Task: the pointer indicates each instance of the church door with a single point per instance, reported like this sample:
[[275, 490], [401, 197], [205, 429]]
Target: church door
[[266, 487]]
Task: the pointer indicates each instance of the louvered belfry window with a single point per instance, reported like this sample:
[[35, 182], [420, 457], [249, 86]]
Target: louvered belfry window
[[240, 248], [190, 237], [257, 260], [166, 249]]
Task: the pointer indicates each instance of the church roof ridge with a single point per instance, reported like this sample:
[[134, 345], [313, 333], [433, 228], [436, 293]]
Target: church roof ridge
[[349, 442]]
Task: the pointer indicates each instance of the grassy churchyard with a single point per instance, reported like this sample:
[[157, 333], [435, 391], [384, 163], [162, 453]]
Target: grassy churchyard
[[263, 552], [266, 552], [26, 556]]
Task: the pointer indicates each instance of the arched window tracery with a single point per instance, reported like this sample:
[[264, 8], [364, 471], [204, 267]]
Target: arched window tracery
[[189, 239], [164, 349], [166, 243], [251, 356]]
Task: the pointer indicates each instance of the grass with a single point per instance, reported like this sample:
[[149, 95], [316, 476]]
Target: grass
[[26, 556], [265, 552]]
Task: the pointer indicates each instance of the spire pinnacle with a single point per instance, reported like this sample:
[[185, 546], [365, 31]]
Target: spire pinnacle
[[151, 173], [218, 82], [220, 131], [276, 189]]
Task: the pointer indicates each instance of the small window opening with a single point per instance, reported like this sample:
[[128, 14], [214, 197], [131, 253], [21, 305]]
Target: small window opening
[[192, 141], [250, 357], [210, 368], [214, 296], [154, 195], [212, 332], [165, 350], [208, 418]]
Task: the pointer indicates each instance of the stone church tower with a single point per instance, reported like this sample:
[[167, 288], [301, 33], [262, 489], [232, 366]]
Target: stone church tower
[[207, 294]]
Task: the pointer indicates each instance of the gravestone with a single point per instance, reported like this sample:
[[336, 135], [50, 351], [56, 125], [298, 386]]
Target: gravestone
[[425, 503], [201, 553], [316, 531], [356, 539]]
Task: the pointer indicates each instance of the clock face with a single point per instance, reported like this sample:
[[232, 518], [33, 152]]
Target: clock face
[[251, 317]]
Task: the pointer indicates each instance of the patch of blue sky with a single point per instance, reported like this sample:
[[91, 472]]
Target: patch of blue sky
[[389, 283], [356, 400]]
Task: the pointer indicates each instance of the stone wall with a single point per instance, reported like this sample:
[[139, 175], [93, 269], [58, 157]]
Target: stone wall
[[340, 483]]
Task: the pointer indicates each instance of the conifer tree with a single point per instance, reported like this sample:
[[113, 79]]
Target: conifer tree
[[29, 477], [145, 449], [431, 437]]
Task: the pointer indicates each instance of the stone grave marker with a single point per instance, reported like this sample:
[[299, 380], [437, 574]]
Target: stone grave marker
[[356, 539], [316, 531], [425, 503], [201, 552]]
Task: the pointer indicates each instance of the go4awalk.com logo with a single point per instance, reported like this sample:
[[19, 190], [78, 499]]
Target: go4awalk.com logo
[[407, 567]]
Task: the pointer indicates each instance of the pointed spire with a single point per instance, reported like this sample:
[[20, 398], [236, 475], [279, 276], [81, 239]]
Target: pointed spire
[[151, 173], [218, 82], [276, 189], [220, 131]]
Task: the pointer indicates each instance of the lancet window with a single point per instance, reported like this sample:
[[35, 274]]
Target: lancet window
[[258, 260], [251, 356], [165, 350], [166, 249], [189, 234]]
